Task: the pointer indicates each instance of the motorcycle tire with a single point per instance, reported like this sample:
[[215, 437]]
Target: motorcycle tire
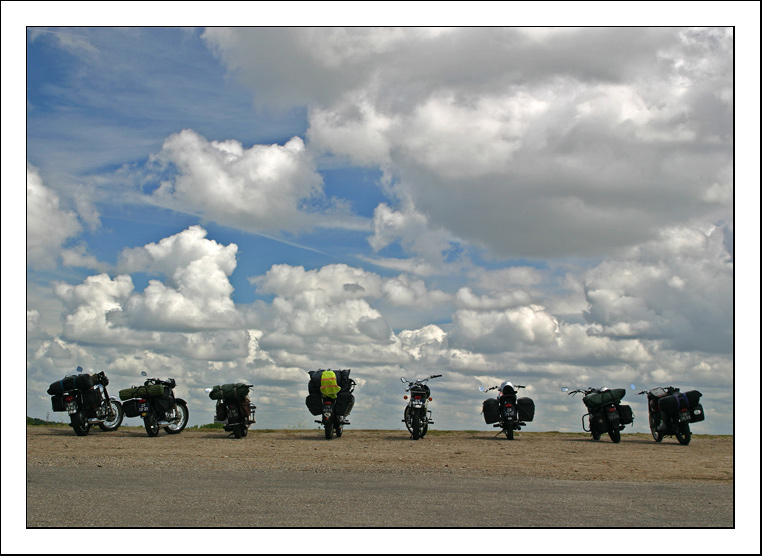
[[112, 424], [237, 431], [615, 436], [596, 436], [79, 423], [177, 428], [152, 426], [329, 430], [408, 423], [244, 430], [508, 432], [416, 424], [339, 429], [683, 434], [658, 436]]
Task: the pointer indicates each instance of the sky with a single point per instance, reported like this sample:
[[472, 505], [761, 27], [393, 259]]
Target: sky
[[549, 206]]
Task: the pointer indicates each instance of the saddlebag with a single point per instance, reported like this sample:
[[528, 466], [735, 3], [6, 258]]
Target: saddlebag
[[342, 380], [681, 400], [526, 409], [344, 403], [625, 414], [69, 383], [491, 410], [595, 401], [91, 398], [141, 392], [314, 403], [58, 403], [234, 390], [697, 413], [598, 423], [130, 408]]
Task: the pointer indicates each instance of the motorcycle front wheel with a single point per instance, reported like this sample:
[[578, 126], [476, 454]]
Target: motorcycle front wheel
[[416, 424], [117, 416], [339, 429], [79, 423], [152, 426], [177, 428], [684, 434]]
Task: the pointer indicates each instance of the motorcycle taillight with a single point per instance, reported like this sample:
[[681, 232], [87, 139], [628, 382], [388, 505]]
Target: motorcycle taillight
[[69, 399], [416, 397]]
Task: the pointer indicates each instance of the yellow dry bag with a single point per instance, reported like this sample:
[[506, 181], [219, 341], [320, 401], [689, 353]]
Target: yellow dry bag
[[328, 386]]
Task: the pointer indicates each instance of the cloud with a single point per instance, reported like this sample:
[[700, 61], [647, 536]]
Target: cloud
[[532, 144], [48, 226], [265, 187]]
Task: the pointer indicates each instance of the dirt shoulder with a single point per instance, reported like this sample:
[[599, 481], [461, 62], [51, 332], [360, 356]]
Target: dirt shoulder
[[550, 455]]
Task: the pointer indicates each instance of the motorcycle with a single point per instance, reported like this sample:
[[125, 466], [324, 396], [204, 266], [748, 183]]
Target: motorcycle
[[670, 412], [156, 404], [330, 397], [85, 398], [605, 412], [507, 411], [417, 416], [234, 408]]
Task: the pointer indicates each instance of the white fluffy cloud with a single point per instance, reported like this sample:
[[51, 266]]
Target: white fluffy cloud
[[48, 226], [264, 187]]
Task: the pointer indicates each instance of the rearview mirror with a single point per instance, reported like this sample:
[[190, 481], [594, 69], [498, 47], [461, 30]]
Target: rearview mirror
[[207, 390], [403, 379], [564, 389], [143, 373]]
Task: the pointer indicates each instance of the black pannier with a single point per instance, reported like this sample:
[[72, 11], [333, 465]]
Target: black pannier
[[625, 414], [314, 403], [598, 423], [526, 409], [58, 403], [91, 398], [163, 402], [344, 403], [491, 410], [697, 413], [130, 408], [70, 383]]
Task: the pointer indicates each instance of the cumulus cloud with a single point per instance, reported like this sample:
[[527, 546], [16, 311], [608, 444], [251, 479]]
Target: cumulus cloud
[[265, 187], [48, 225], [532, 143]]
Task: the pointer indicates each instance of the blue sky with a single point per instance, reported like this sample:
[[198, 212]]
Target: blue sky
[[487, 204]]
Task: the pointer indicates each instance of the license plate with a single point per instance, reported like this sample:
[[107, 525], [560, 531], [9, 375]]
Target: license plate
[[685, 416], [143, 407], [71, 407]]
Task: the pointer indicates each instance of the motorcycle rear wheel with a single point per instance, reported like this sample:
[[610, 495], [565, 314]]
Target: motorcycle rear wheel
[[615, 436], [177, 428], [79, 423], [416, 424], [238, 431], [112, 424], [329, 430], [508, 430], [684, 434], [152, 426]]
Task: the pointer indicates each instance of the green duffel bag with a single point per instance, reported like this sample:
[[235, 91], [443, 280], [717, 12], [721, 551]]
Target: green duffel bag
[[236, 390], [594, 401], [141, 392]]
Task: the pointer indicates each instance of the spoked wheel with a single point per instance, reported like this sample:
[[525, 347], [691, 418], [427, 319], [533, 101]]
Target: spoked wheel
[[115, 419], [152, 426], [615, 436], [182, 411], [658, 436], [79, 423], [684, 434]]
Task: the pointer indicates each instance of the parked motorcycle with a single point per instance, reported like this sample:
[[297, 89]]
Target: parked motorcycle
[[670, 412], [330, 396], [156, 404], [417, 416], [605, 412], [234, 408], [507, 411], [85, 398]]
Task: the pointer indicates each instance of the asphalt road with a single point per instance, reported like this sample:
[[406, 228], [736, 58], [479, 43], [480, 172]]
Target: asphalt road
[[274, 499]]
